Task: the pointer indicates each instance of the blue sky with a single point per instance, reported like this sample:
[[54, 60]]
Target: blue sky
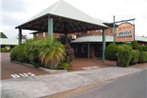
[[15, 12]]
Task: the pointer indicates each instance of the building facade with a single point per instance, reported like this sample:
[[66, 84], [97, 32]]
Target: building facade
[[89, 44]]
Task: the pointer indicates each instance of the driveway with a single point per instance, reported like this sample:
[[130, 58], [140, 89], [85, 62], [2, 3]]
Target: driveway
[[12, 70]]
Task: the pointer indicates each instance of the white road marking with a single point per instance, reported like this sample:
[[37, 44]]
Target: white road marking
[[22, 75], [15, 76], [31, 74]]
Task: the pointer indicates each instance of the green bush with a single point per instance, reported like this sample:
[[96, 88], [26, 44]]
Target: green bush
[[124, 55], [135, 57], [4, 49], [135, 45], [31, 51], [19, 53], [144, 48], [110, 52], [65, 66], [143, 57]]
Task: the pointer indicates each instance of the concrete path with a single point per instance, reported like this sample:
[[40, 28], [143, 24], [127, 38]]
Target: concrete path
[[52, 85], [11, 70]]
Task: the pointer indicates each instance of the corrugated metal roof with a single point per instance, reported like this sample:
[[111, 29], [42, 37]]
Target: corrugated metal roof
[[98, 38], [6, 41], [94, 38], [63, 9], [140, 38]]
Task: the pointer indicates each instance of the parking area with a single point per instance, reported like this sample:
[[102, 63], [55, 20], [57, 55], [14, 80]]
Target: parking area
[[14, 70], [11, 70]]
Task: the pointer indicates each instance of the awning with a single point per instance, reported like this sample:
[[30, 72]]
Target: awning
[[94, 38]]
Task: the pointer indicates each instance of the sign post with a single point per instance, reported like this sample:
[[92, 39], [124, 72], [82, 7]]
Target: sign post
[[114, 30], [125, 31]]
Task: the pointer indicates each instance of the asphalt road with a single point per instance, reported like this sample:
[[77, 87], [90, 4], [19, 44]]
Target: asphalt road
[[13, 70]]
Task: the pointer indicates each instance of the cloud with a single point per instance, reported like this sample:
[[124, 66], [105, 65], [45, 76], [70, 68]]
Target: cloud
[[13, 5], [10, 20]]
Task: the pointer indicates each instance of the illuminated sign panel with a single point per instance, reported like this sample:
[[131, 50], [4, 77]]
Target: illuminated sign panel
[[125, 32]]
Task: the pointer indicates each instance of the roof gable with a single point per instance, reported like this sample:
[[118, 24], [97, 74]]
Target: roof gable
[[63, 9]]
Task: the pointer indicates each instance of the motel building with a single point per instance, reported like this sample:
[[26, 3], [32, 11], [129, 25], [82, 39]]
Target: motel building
[[89, 36], [89, 44]]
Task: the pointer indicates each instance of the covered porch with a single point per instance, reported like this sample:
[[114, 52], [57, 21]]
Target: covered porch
[[62, 18]]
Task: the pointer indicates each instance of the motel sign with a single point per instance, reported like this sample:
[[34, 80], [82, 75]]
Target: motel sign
[[125, 32]]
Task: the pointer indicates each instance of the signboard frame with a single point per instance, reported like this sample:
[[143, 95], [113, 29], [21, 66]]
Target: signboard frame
[[125, 32]]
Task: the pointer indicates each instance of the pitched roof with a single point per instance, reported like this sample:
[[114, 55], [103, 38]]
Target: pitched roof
[[63, 9]]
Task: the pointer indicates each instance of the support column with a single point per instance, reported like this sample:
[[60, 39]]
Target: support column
[[88, 45], [103, 44], [20, 36], [50, 27]]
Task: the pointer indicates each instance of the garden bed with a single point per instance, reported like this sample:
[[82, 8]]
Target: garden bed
[[52, 71]]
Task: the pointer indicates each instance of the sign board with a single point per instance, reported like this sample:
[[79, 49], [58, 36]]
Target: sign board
[[125, 32]]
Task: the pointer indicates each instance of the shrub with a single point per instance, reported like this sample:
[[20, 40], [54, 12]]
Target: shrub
[[135, 57], [135, 45], [65, 66], [143, 57], [66, 63], [13, 55], [33, 56], [4, 49], [25, 53], [110, 52], [124, 55], [18, 53], [51, 52], [39, 52], [144, 48]]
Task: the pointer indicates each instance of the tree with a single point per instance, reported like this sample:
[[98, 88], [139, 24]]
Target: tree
[[51, 53], [2, 35]]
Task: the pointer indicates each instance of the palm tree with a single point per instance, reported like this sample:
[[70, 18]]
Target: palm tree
[[51, 53]]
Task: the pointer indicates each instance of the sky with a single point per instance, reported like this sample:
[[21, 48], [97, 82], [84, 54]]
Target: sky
[[16, 12]]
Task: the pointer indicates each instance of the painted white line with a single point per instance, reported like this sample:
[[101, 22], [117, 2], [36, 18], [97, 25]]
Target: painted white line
[[22, 75], [31, 74], [15, 76]]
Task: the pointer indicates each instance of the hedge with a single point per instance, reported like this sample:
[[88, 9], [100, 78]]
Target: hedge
[[144, 48], [111, 51], [135, 45], [143, 57], [135, 57], [124, 55], [29, 52], [4, 49]]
